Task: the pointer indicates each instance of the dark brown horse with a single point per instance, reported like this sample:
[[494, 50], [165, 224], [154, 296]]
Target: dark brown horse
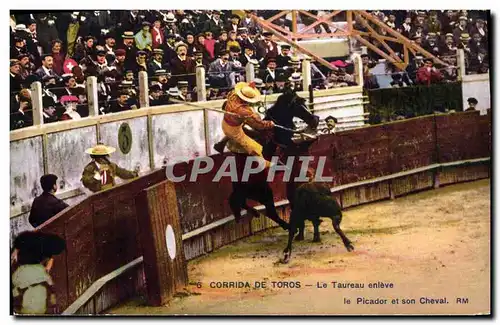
[[288, 106]]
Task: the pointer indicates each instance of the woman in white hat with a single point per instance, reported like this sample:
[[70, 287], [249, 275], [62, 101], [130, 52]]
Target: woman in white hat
[[100, 173], [239, 102]]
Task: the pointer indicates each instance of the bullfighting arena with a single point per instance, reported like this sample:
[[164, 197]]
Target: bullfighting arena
[[432, 246]]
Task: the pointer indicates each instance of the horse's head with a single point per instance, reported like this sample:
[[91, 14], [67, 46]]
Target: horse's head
[[292, 105]]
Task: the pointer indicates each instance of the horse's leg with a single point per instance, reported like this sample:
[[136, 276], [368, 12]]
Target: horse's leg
[[237, 200], [316, 222], [287, 253], [301, 225], [336, 225], [268, 201]]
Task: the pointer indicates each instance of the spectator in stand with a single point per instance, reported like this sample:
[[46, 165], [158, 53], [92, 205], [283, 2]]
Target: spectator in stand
[[130, 49], [478, 62], [461, 29], [370, 81], [121, 104], [46, 68], [143, 39], [249, 51], [58, 57], [450, 73], [119, 63], [215, 25], [232, 41], [156, 62], [477, 43], [21, 110], [428, 74], [406, 28], [157, 34], [47, 204], [449, 22], [271, 47], [431, 45], [249, 23], [221, 72], [16, 80], [69, 103], [27, 68], [233, 24], [464, 43], [221, 43], [449, 44], [154, 95], [182, 66], [433, 25], [49, 111], [19, 48], [210, 45]]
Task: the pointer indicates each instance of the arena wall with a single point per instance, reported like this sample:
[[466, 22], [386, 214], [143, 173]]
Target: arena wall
[[367, 164], [160, 136]]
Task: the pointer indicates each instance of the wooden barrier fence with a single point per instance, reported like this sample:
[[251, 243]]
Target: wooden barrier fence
[[103, 263]]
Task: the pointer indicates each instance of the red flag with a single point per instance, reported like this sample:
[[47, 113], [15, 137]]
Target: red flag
[[68, 65]]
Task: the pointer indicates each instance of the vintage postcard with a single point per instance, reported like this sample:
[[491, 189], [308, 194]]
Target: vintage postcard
[[250, 162]]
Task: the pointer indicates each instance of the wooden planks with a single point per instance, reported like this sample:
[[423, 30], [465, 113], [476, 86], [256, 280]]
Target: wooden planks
[[161, 234]]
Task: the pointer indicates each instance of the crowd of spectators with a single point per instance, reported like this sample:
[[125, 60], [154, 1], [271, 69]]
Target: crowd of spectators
[[62, 49], [440, 33]]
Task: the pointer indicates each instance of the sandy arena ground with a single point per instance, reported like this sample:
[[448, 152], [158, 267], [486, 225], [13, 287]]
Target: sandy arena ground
[[433, 244]]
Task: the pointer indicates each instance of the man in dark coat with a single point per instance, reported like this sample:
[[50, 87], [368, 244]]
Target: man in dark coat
[[47, 204], [46, 31], [156, 62], [283, 57], [15, 77], [183, 67], [130, 49], [214, 25]]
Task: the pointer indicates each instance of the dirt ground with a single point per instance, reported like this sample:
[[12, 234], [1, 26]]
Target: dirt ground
[[433, 244]]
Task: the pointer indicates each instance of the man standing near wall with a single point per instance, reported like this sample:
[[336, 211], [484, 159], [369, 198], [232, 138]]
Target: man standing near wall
[[47, 204], [100, 173]]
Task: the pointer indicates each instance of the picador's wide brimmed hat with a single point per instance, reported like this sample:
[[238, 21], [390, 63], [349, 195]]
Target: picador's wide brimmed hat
[[100, 150], [247, 93]]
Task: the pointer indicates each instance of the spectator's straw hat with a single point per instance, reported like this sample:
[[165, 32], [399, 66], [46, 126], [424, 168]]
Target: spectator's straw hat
[[449, 35], [242, 30], [14, 62], [431, 34], [158, 51], [173, 91], [180, 44], [182, 84], [247, 93], [285, 46], [128, 35], [20, 27], [462, 18], [295, 77], [294, 60], [100, 150], [160, 72], [146, 23], [170, 18], [464, 37], [258, 83]]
